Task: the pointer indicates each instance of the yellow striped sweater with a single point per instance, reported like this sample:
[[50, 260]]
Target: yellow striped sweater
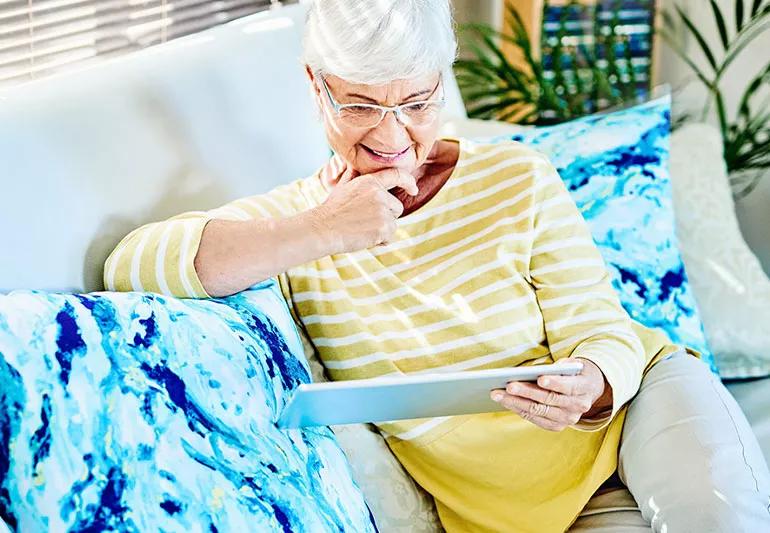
[[497, 269]]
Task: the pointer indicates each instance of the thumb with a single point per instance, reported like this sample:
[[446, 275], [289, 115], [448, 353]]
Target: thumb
[[571, 359]]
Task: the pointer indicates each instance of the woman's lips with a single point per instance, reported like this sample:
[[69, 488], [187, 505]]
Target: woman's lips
[[385, 157]]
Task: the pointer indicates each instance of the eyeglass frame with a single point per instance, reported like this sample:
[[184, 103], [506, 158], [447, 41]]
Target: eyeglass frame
[[384, 109]]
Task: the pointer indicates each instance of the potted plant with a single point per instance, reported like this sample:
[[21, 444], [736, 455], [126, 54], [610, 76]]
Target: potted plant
[[746, 136]]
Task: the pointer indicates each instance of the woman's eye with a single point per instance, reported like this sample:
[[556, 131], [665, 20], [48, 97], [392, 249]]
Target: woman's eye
[[359, 110], [419, 106]]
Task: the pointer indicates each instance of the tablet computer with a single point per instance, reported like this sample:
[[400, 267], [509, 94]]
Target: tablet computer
[[389, 398]]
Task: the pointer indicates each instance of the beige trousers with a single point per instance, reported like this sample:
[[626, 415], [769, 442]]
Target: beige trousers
[[688, 457]]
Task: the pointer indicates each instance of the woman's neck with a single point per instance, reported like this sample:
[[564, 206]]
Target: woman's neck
[[442, 156]]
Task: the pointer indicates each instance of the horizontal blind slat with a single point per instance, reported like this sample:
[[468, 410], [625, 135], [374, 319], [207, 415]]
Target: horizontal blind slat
[[61, 34], [104, 23]]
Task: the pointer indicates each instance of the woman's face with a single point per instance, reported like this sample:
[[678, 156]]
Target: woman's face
[[400, 146]]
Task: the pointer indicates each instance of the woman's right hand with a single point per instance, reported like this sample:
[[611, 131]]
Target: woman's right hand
[[360, 212]]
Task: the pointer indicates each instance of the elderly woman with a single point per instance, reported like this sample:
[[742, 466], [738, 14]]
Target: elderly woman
[[409, 253]]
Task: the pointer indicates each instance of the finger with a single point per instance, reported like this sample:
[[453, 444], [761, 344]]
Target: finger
[[329, 172], [336, 164], [388, 234], [536, 409], [394, 177], [337, 171], [544, 423], [348, 174], [393, 204], [572, 360], [536, 393], [567, 385], [540, 421]]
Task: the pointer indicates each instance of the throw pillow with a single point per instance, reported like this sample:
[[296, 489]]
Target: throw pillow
[[138, 412]]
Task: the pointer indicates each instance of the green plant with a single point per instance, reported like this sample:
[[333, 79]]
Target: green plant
[[746, 137], [586, 77]]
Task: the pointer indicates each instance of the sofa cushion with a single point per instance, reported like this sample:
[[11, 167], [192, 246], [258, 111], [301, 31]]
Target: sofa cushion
[[732, 290], [158, 414]]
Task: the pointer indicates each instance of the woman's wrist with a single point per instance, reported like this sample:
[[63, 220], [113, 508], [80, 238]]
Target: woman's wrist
[[604, 401], [603, 404], [315, 225]]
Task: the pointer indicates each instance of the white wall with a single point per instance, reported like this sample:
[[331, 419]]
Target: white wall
[[753, 211], [487, 11]]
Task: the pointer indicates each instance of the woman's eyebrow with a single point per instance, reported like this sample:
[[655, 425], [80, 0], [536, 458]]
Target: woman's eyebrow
[[413, 95]]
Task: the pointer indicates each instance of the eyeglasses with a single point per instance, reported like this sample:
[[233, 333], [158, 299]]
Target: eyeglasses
[[370, 115]]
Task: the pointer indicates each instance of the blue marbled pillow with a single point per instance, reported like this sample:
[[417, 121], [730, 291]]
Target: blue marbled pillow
[[616, 168], [137, 412]]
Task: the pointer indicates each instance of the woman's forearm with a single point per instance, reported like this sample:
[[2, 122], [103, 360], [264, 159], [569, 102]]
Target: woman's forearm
[[234, 255]]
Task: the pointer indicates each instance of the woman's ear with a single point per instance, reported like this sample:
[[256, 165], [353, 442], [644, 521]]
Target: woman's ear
[[311, 77], [316, 91]]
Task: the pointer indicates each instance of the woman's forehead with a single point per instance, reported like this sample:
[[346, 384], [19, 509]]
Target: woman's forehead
[[402, 89]]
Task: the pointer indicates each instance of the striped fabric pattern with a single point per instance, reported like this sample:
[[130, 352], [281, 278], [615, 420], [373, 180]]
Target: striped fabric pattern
[[498, 269]]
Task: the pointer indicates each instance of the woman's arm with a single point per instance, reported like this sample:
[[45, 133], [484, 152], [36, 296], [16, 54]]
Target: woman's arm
[[581, 311], [234, 255], [220, 252]]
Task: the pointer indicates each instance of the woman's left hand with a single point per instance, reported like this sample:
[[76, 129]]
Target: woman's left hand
[[557, 402]]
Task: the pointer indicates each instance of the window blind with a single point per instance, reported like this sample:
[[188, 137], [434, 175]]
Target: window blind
[[40, 37]]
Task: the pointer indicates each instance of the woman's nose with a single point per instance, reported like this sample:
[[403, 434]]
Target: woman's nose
[[391, 130]]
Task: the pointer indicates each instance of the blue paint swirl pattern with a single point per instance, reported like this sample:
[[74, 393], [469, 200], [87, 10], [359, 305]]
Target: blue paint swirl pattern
[[137, 412]]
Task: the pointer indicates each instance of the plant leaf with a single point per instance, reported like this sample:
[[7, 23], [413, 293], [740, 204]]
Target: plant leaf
[[491, 109], [680, 51], [698, 37], [720, 21], [520, 29], [721, 113], [506, 69], [753, 87], [668, 20], [750, 31]]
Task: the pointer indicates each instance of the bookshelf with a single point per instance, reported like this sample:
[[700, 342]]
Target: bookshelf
[[620, 32]]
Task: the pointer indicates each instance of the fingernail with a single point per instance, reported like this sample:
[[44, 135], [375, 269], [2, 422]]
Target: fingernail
[[512, 389], [546, 382], [497, 396]]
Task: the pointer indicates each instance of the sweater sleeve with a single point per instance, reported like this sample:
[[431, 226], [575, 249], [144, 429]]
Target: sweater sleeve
[[581, 311], [159, 257]]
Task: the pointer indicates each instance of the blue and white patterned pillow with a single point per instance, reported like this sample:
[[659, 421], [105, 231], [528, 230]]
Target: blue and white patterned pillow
[[137, 412], [616, 168]]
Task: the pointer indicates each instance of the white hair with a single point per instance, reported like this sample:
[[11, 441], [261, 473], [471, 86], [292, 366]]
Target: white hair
[[375, 42]]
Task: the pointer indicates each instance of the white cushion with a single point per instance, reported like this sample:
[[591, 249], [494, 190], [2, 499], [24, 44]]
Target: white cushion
[[732, 290]]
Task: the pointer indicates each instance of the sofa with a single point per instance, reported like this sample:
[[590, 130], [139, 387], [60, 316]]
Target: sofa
[[87, 156]]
